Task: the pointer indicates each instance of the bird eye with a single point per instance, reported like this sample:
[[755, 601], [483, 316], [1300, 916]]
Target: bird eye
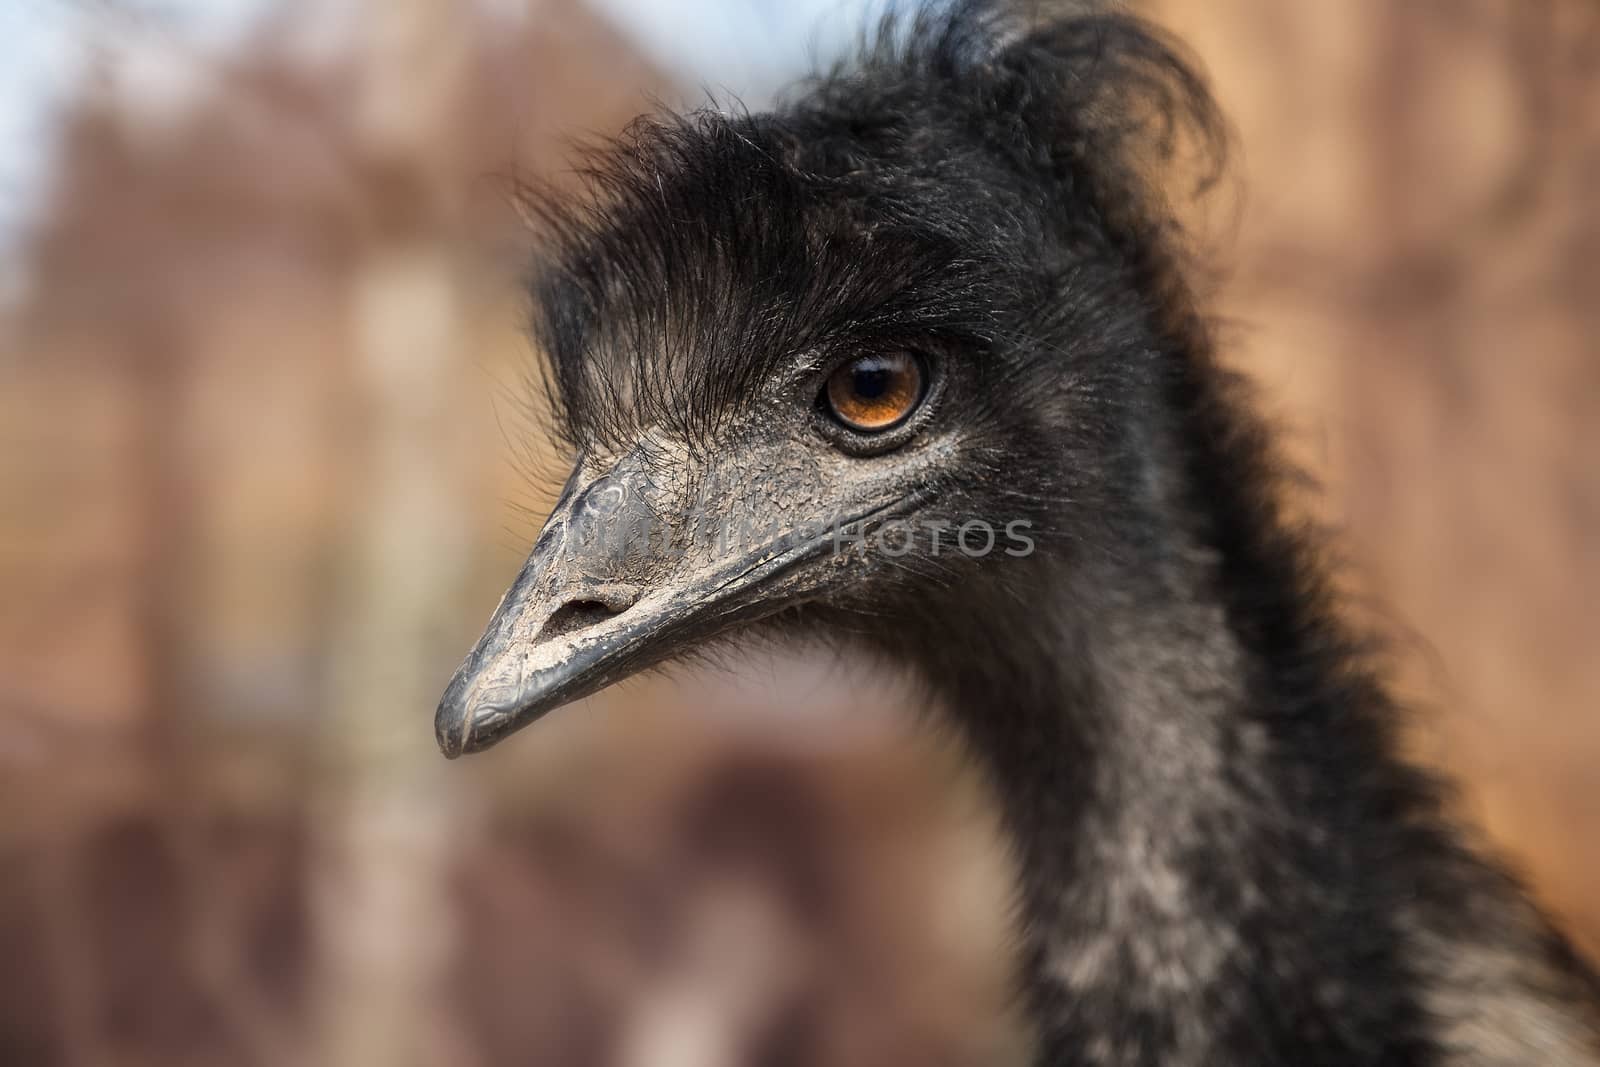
[[872, 393]]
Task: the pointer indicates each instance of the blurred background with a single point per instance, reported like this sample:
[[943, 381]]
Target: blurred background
[[267, 459]]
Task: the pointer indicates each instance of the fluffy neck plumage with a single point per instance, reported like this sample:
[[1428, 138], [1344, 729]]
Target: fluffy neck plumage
[[1190, 884], [1222, 860]]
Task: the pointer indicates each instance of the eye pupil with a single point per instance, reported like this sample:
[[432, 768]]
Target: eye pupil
[[875, 392], [871, 381]]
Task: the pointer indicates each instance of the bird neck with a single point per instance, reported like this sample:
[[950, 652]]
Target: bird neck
[[1222, 859], [1213, 837], [1199, 828]]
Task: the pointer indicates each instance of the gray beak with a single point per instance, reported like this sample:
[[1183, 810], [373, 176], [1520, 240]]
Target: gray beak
[[609, 590]]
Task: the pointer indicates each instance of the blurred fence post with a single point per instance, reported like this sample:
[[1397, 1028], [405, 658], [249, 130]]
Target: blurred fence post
[[382, 908]]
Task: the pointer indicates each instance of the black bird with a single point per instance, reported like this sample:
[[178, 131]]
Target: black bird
[[910, 363]]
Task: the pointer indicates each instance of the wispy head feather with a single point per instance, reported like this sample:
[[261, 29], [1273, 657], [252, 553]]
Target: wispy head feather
[[932, 185]]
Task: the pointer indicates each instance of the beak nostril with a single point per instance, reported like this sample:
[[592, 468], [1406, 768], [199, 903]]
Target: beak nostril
[[576, 615]]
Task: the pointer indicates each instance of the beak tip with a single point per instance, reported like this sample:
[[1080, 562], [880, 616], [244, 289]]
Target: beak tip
[[447, 732], [452, 722]]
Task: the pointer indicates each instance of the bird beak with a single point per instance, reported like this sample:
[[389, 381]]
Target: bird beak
[[608, 591]]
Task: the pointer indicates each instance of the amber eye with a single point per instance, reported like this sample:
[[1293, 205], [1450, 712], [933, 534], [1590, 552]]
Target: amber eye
[[873, 393]]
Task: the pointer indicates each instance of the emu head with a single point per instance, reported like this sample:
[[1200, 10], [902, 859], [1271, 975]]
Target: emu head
[[863, 364]]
